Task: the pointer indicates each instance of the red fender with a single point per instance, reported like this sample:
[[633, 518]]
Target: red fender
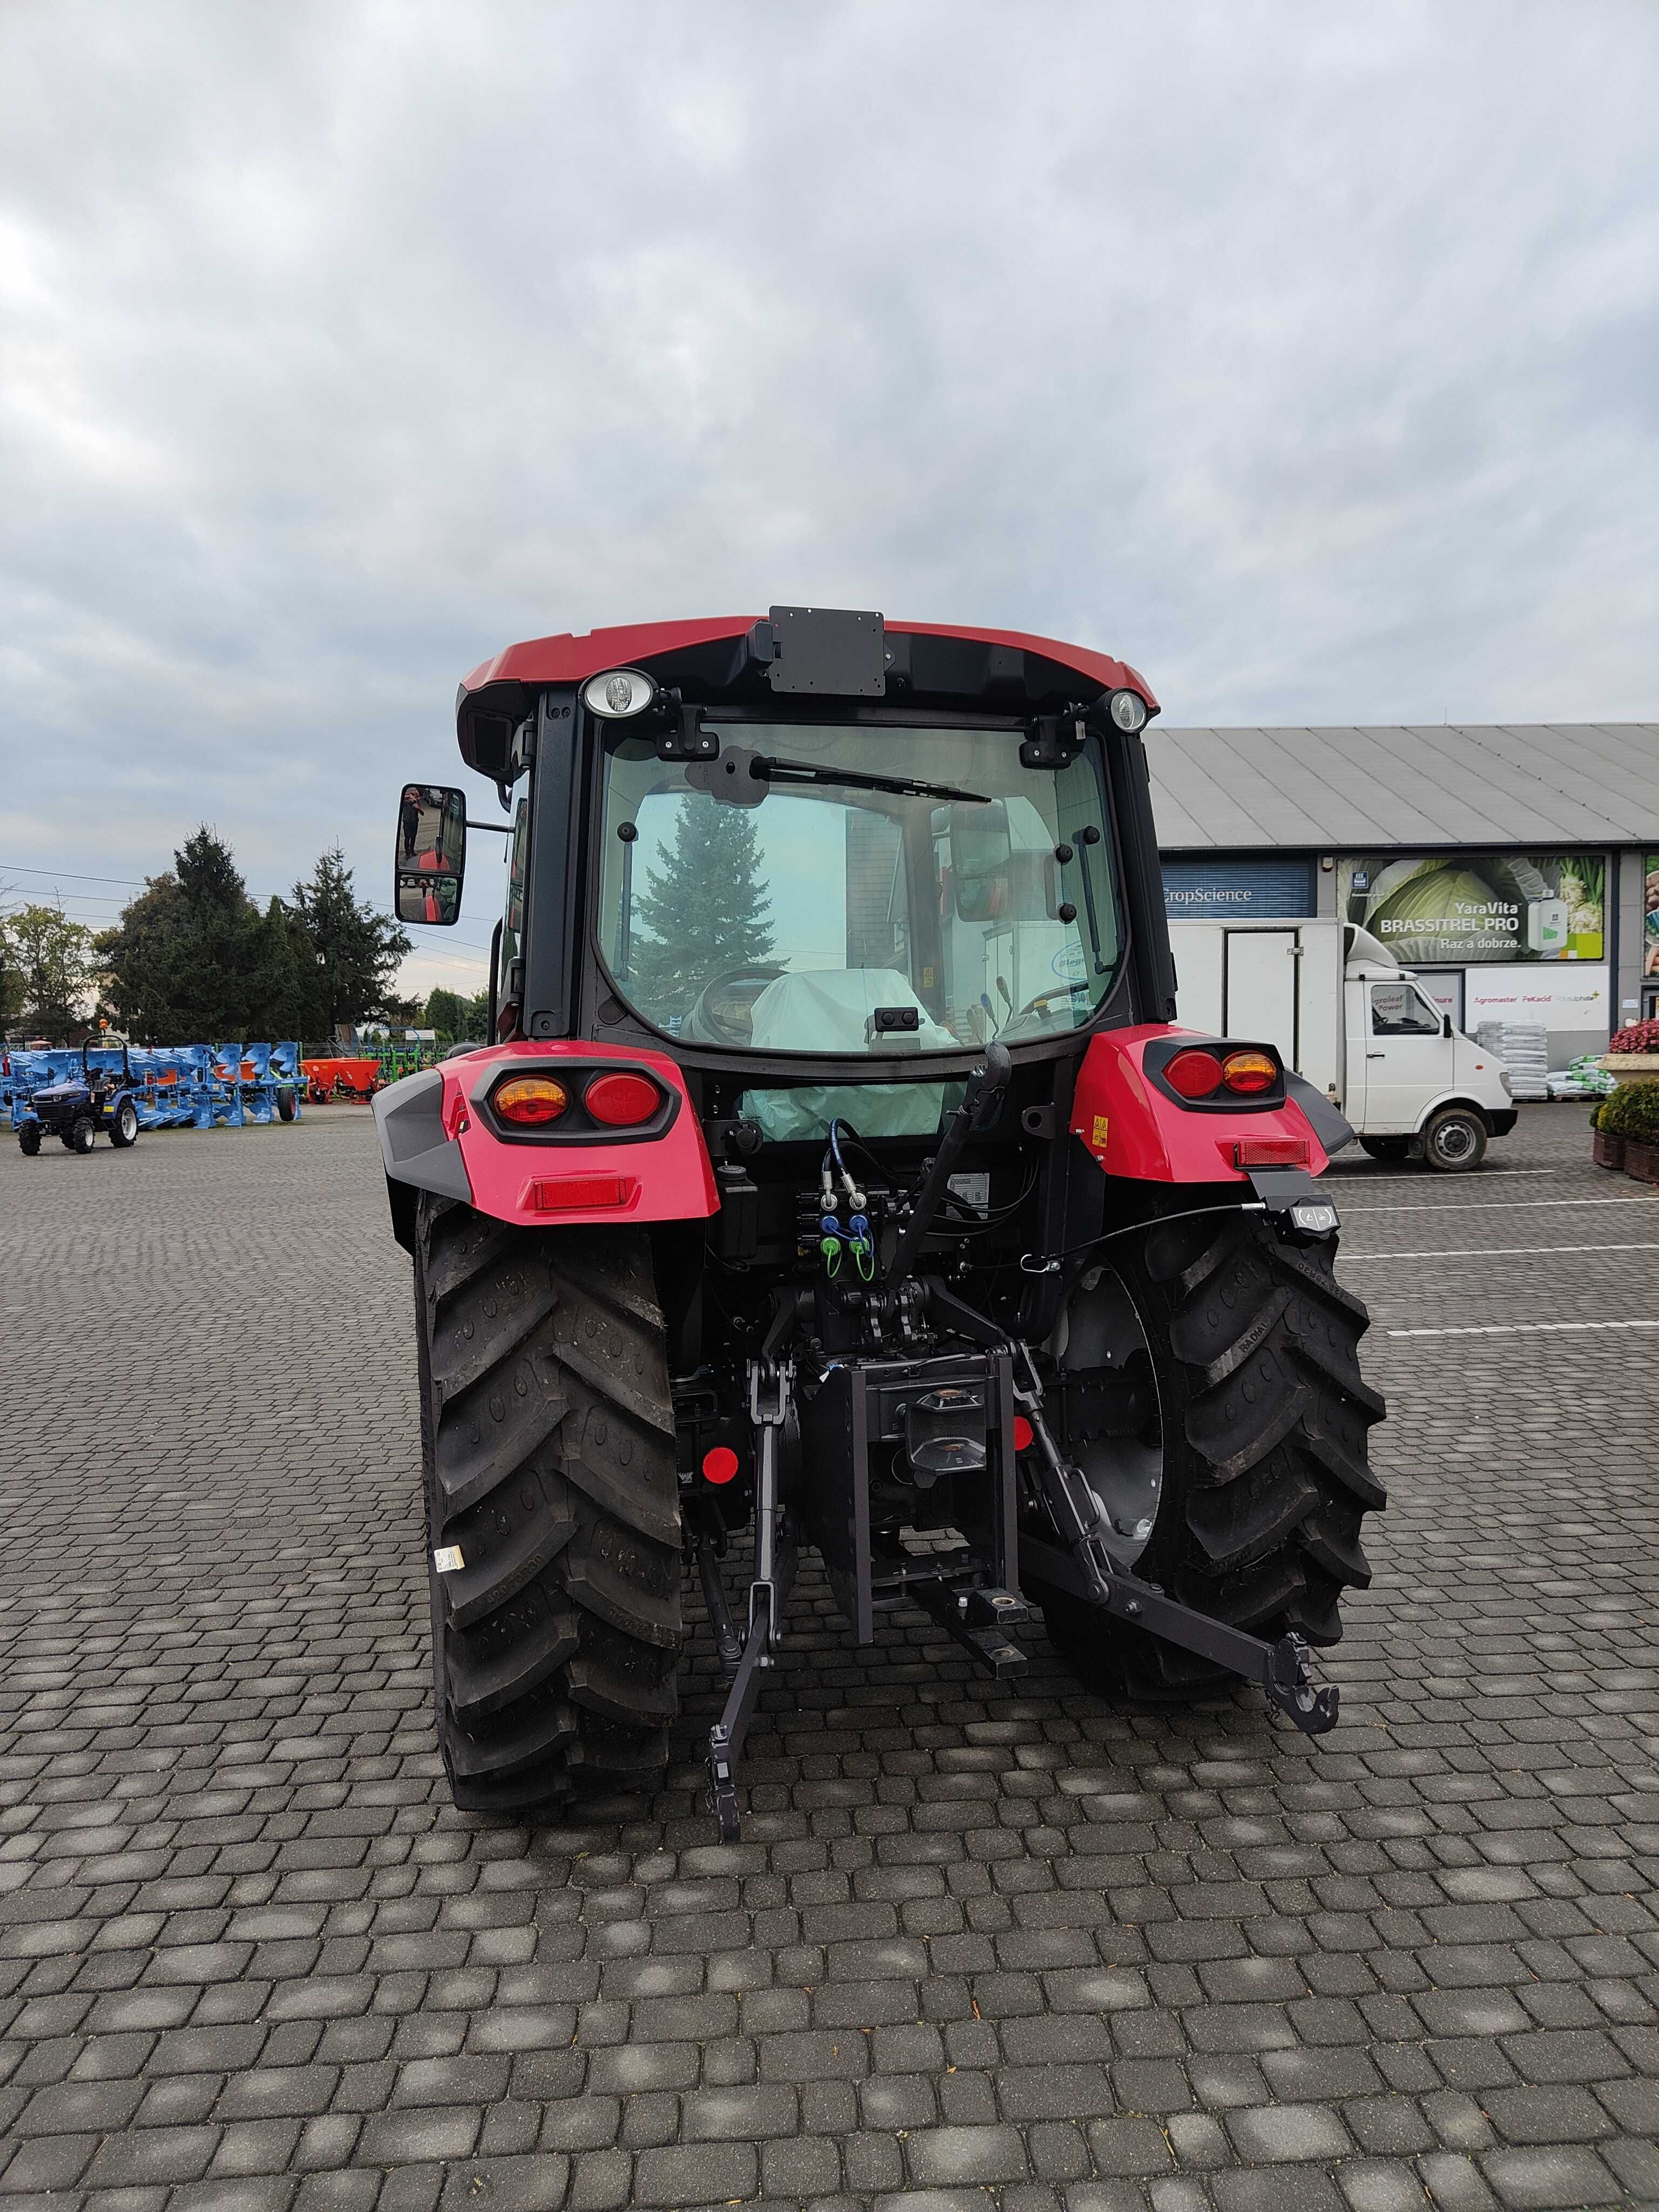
[[538, 1180], [1134, 1130]]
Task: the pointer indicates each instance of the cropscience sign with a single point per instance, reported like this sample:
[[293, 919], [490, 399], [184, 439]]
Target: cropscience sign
[[1478, 908]]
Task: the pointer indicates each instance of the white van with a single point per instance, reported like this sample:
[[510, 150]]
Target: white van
[[1344, 1012]]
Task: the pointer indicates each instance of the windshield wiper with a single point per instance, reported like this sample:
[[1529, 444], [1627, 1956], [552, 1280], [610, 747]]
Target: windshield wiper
[[767, 769]]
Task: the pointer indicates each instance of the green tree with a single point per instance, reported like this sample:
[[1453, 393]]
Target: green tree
[[461, 1020], [703, 908], [51, 957], [285, 997], [137, 958], [357, 949], [182, 963]]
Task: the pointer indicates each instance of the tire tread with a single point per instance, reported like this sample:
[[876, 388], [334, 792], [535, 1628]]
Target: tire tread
[[549, 1445]]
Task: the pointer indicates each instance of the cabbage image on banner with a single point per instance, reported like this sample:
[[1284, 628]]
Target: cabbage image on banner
[[1480, 909]]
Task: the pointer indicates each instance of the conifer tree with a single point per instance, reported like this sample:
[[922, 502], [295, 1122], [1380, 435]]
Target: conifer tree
[[703, 908]]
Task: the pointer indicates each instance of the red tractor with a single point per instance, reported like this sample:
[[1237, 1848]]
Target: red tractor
[[836, 1174]]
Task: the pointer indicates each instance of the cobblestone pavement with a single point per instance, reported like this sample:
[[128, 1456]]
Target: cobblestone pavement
[[982, 1947]]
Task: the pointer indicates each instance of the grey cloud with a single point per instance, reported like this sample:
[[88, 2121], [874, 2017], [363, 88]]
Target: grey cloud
[[1303, 356]]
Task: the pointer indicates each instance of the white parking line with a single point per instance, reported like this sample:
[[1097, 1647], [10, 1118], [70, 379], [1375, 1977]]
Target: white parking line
[[1500, 1251], [1526, 1328], [1488, 1174], [1486, 1206]]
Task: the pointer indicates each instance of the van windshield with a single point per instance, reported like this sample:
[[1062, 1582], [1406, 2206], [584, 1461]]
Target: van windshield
[[754, 902]]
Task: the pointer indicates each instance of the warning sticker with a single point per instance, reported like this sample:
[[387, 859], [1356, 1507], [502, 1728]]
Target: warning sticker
[[447, 1559], [1097, 1142]]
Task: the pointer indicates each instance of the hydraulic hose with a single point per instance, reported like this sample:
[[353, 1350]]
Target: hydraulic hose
[[978, 1109]]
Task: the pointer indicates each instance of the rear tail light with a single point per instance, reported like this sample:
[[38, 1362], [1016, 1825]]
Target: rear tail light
[[621, 1100], [1266, 1152], [719, 1464], [1193, 1074], [531, 1101], [1249, 1071], [578, 1194]]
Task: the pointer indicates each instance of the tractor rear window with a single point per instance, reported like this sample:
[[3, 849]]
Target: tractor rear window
[[773, 900]]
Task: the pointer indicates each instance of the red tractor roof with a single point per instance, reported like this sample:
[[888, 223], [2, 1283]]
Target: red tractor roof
[[568, 659]]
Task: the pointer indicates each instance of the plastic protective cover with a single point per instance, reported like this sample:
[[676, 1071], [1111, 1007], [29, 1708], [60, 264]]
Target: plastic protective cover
[[829, 1010]]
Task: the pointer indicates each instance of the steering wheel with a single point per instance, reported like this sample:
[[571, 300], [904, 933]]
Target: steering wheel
[[1042, 999], [706, 1025]]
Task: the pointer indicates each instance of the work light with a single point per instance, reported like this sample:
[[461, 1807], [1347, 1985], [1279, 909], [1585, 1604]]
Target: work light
[[623, 692]]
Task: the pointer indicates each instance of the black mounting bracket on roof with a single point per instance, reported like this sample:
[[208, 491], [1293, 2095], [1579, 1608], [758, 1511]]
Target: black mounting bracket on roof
[[833, 649], [683, 736], [1053, 741]]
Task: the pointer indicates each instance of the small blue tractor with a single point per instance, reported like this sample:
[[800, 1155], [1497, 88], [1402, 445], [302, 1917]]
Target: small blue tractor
[[77, 1107]]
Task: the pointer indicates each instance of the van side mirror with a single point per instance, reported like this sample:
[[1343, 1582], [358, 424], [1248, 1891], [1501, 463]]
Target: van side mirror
[[429, 856], [982, 853], [1445, 1025]]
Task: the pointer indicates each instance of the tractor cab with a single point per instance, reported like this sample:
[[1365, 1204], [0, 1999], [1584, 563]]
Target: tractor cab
[[837, 1155]]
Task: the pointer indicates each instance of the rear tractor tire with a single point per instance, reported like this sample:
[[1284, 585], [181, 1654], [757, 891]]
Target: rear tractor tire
[[552, 1507], [1208, 1382], [124, 1128]]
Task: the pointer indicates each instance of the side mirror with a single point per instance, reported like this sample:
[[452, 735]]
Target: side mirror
[[982, 854], [1445, 1025], [429, 856]]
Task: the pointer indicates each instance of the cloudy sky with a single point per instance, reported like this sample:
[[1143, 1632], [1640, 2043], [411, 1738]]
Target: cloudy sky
[[1304, 355]]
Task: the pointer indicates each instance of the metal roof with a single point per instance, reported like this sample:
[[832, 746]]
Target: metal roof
[[1357, 789]]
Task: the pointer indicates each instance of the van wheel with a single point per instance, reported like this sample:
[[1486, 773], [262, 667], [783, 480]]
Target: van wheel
[[1455, 1140]]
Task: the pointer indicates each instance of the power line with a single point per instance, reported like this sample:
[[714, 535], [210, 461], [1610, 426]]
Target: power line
[[75, 874]]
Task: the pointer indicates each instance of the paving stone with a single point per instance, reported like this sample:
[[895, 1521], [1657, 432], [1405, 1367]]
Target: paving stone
[[600, 2181], [1569, 2179], [1371, 2184], [249, 1929], [702, 2173], [1546, 2114]]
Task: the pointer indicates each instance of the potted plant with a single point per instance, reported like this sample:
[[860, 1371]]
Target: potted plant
[[1607, 1144], [1633, 1052], [1640, 1122]]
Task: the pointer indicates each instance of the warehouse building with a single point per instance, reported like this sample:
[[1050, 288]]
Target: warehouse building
[[1514, 867]]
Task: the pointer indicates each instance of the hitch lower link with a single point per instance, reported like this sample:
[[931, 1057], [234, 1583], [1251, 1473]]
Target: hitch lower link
[[1079, 1562], [771, 1388], [1082, 1565]]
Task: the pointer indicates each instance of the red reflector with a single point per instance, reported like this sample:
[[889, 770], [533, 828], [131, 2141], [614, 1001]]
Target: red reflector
[[1268, 1151], [1023, 1433], [620, 1100], [720, 1464], [574, 1194], [1193, 1074]]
